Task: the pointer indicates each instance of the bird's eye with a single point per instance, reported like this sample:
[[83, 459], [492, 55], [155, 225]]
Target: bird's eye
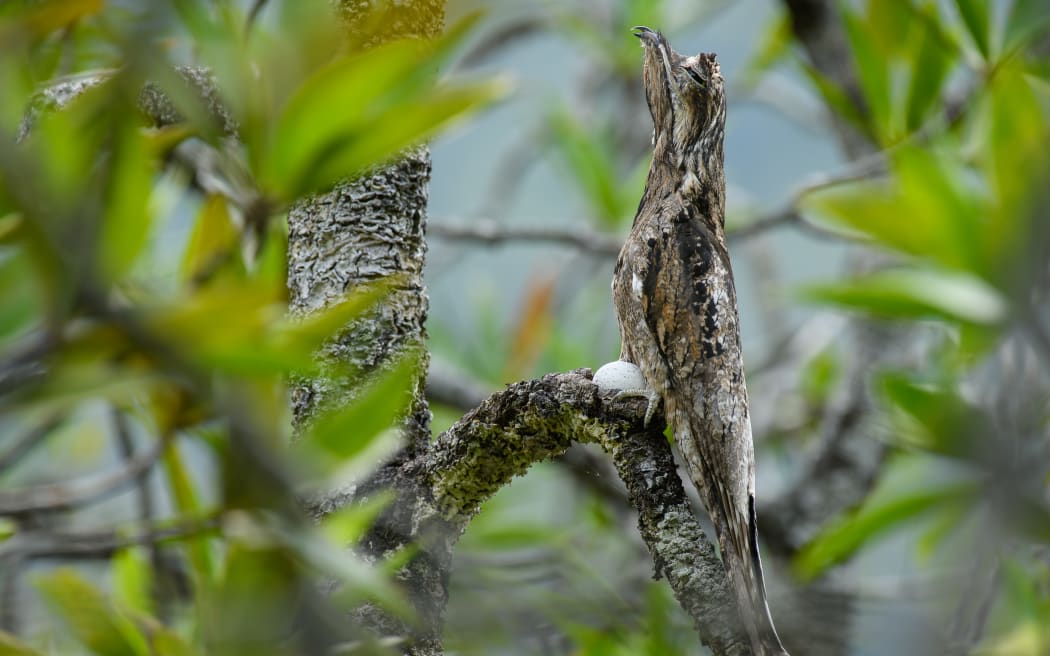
[[696, 77]]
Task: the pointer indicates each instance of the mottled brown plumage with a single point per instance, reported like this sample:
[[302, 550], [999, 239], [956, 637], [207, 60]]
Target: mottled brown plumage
[[676, 304]]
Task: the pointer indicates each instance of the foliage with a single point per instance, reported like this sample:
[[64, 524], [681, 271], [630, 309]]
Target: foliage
[[142, 273], [961, 217], [142, 297]]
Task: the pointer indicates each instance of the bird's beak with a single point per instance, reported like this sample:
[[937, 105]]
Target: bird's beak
[[648, 37]]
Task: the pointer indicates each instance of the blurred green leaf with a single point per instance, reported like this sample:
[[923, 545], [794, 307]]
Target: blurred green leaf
[[1028, 19], [926, 210], [405, 123], [587, 156], [185, 500], [89, 616], [916, 294], [837, 100], [361, 580], [872, 71], [214, 242], [819, 376], [775, 43], [126, 218], [52, 15], [977, 18], [948, 521], [946, 424], [890, 25], [20, 300], [12, 646], [847, 535], [929, 72], [349, 524], [349, 430], [1016, 162], [132, 576], [168, 643], [386, 101]]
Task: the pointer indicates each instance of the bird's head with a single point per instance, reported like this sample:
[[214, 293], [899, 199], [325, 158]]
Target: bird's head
[[686, 97]]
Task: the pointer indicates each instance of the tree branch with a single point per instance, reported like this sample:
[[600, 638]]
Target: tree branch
[[98, 544], [80, 492], [488, 231], [539, 419], [23, 444]]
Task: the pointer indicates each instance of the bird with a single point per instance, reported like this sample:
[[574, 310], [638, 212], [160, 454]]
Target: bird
[[675, 304]]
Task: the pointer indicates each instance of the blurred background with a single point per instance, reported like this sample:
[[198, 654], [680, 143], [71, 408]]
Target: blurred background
[[887, 170]]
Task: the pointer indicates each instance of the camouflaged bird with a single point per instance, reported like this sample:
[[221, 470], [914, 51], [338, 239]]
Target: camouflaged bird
[[676, 305]]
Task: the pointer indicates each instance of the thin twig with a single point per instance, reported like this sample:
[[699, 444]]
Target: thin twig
[[489, 232], [22, 445], [80, 492], [99, 544]]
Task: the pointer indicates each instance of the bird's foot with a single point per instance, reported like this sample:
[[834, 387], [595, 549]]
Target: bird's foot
[[647, 393]]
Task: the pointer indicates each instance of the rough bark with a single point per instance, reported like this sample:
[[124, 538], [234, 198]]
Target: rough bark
[[534, 420]]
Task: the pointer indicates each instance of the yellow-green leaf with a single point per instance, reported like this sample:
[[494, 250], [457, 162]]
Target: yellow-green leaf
[[916, 294], [89, 616], [847, 535], [213, 244]]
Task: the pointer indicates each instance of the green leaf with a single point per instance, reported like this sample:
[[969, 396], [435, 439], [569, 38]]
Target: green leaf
[[930, 70], [404, 123], [944, 422], [890, 25], [916, 294], [947, 522], [819, 376], [587, 156], [168, 643], [7, 528], [872, 71], [842, 539], [774, 44], [214, 242], [361, 580], [1028, 19], [126, 218], [361, 110], [836, 99], [975, 15], [12, 646], [1015, 160], [132, 576], [20, 301], [349, 524], [57, 14], [89, 616], [348, 431], [184, 495], [926, 210]]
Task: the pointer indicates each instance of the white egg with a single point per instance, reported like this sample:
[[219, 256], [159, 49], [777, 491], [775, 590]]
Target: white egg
[[619, 375]]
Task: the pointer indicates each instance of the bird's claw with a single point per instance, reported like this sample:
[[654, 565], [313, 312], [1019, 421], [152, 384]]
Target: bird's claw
[[649, 394]]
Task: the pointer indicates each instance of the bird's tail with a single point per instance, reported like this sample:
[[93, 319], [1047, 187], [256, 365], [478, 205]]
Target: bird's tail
[[735, 524]]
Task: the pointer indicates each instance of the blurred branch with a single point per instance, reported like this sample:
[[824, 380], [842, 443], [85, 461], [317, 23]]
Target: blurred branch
[[845, 465], [487, 231], [80, 492], [21, 445], [501, 38], [818, 27], [454, 388], [98, 544], [490, 232]]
